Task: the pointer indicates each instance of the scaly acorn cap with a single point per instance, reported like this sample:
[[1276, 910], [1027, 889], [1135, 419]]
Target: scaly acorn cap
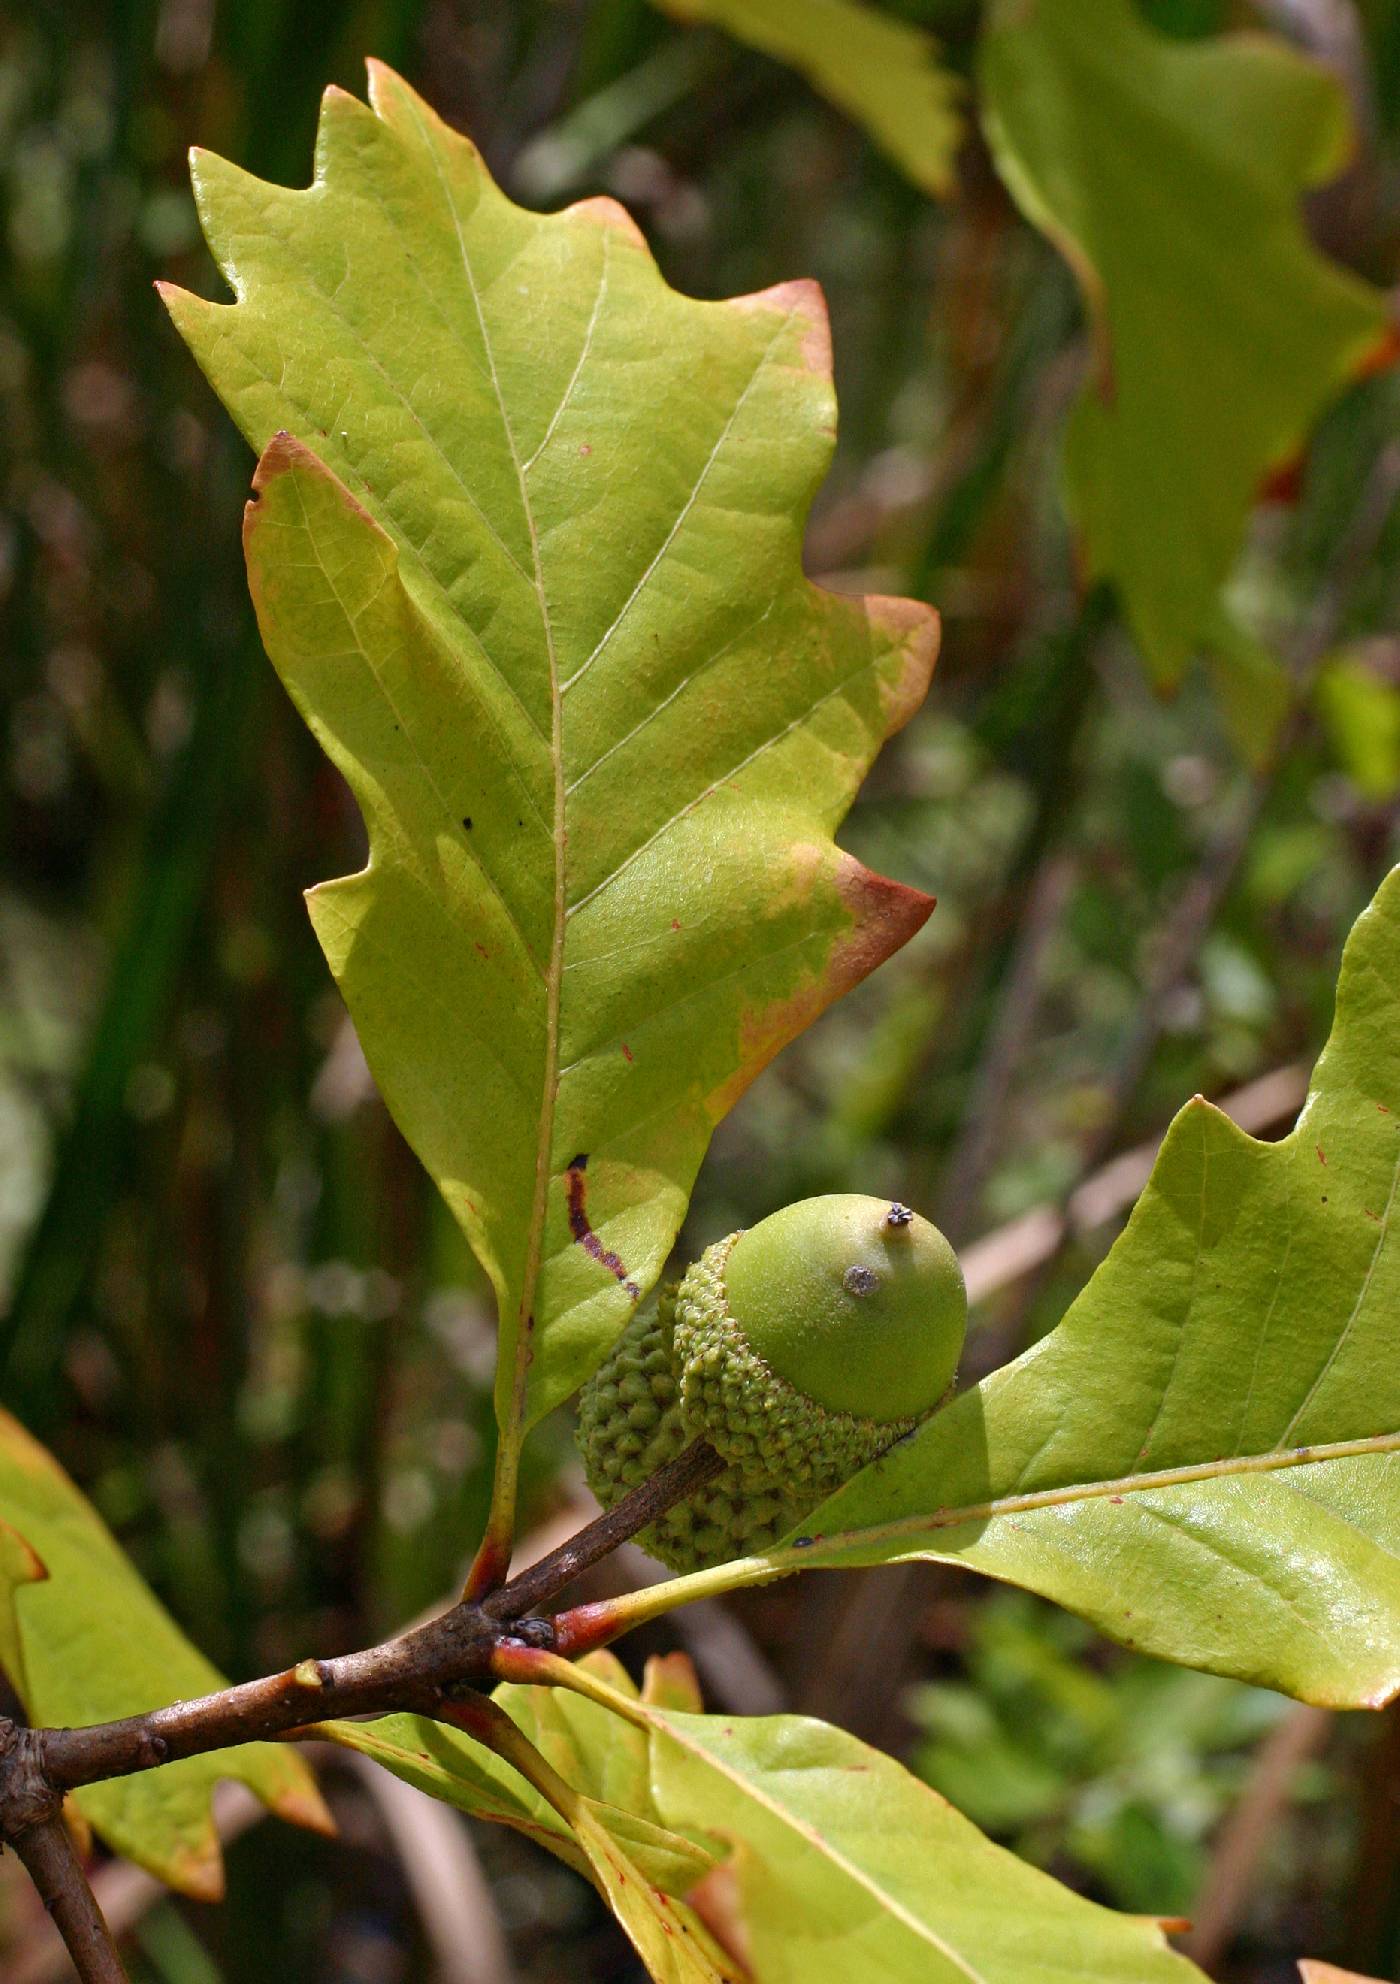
[[808, 1344], [631, 1423], [800, 1350]]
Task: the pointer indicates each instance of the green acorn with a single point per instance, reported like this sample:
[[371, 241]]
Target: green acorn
[[799, 1350]]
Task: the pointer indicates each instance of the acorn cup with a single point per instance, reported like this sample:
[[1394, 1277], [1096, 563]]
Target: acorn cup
[[800, 1349]]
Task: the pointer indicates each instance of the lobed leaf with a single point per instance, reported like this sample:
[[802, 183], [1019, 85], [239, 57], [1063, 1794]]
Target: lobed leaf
[[1169, 173], [531, 570], [1203, 1458], [83, 1640], [881, 71]]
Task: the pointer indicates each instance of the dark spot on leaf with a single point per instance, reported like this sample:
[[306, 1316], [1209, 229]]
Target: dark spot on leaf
[[1321, 1155], [576, 1186], [467, 821], [803, 1542], [626, 1053]]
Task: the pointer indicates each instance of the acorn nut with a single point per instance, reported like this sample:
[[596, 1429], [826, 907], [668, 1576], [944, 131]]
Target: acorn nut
[[799, 1349]]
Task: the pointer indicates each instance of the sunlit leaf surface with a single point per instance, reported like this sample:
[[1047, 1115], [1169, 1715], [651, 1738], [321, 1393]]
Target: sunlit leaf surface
[[531, 570]]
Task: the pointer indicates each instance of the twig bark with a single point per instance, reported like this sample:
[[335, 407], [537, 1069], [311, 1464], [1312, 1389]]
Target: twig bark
[[673, 1483], [53, 1865], [421, 1671], [427, 1670]]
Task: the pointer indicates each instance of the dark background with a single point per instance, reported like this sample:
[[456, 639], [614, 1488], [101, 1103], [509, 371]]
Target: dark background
[[233, 1305]]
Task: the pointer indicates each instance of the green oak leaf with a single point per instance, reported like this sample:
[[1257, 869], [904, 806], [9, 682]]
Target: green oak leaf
[[1203, 1458], [83, 1640], [881, 71], [842, 1865], [531, 570], [847, 1866], [1169, 173]]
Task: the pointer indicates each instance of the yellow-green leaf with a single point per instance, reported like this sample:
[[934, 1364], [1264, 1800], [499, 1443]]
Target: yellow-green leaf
[[531, 569], [450, 1765], [841, 1864], [83, 1640], [608, 1760], [1169, 175]]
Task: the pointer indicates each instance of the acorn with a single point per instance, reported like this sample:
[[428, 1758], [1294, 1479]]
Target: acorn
[[800, 1349]]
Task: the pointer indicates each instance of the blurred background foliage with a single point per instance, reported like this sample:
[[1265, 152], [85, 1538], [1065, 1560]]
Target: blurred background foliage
[[232, 1304]]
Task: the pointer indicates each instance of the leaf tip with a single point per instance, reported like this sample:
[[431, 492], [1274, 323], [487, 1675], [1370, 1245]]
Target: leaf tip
[[605, 212], [886, 914], [196, 1869], [302, 1805], [801, 298], [916, 629]]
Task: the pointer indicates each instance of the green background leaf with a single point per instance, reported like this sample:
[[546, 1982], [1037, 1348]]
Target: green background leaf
[[538, 591], [1169, 173], [1203, 1458], [881, 71], [85, 1641]]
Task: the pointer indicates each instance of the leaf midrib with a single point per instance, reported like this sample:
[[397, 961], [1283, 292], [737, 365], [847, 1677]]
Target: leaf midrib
[[1227, 1468], [534, 1239], [811, 1837]]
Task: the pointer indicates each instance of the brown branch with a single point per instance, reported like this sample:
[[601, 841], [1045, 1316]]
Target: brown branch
[[422, 1671], [412, 1672], [53, 1865], [673, 1483]]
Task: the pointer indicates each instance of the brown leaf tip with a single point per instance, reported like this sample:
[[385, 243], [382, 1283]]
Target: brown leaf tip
[[886, 914]]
